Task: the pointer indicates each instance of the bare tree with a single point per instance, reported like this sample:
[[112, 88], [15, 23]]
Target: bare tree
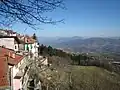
[[30, 12]]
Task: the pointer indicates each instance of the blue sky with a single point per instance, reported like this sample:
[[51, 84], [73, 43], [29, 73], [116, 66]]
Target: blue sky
[[93, 18]]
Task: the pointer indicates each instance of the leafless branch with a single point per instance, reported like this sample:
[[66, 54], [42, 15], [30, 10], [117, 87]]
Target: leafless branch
[[30, 12]]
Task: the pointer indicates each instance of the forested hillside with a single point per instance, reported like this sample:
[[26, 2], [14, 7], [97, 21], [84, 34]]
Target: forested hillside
[[79, 59]]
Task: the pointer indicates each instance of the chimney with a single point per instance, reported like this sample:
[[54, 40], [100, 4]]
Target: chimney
[[13, 55], [9, 54]]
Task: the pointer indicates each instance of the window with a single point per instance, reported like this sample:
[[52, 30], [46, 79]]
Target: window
[[27, 47], [31, 46], [15, 47]]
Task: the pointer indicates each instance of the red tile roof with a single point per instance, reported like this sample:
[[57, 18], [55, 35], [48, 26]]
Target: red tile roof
[[13, 58], [3, 72], [29, 40], [4, 82], [26, 39], [7, 56]]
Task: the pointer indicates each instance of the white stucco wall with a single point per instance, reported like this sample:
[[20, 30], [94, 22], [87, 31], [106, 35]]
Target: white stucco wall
[[17, 83], [11, 74], [7, 42], [12, 34], [3, 33], [35, 49], [15, 70]]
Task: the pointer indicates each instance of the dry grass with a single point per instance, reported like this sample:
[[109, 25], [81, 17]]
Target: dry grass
[[94, 78], [85, 78], [69, 77]]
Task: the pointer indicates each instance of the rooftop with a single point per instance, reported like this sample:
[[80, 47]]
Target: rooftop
[[7, 57]]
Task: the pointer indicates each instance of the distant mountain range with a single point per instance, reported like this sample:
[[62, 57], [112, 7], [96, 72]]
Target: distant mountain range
[[80, 44]]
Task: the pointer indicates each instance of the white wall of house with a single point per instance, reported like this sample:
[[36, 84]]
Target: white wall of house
[[33, 48], [7, 42], [13, 34], [3, 33], [15, 70], [10, 73], [17, 67], [17, 83]]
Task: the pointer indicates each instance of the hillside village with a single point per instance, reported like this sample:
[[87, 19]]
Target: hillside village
[[18, 54], [27, 65], [77, 47]]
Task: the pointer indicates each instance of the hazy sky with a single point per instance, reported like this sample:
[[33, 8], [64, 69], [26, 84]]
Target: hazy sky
[[82, 18]]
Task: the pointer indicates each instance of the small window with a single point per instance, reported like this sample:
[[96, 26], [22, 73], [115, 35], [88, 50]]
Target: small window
[[15, 47], [31, 46], [27, 47]]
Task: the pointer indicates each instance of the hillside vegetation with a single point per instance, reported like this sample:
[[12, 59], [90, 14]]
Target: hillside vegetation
[[79, 71], [94, 78], [86, 78]]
